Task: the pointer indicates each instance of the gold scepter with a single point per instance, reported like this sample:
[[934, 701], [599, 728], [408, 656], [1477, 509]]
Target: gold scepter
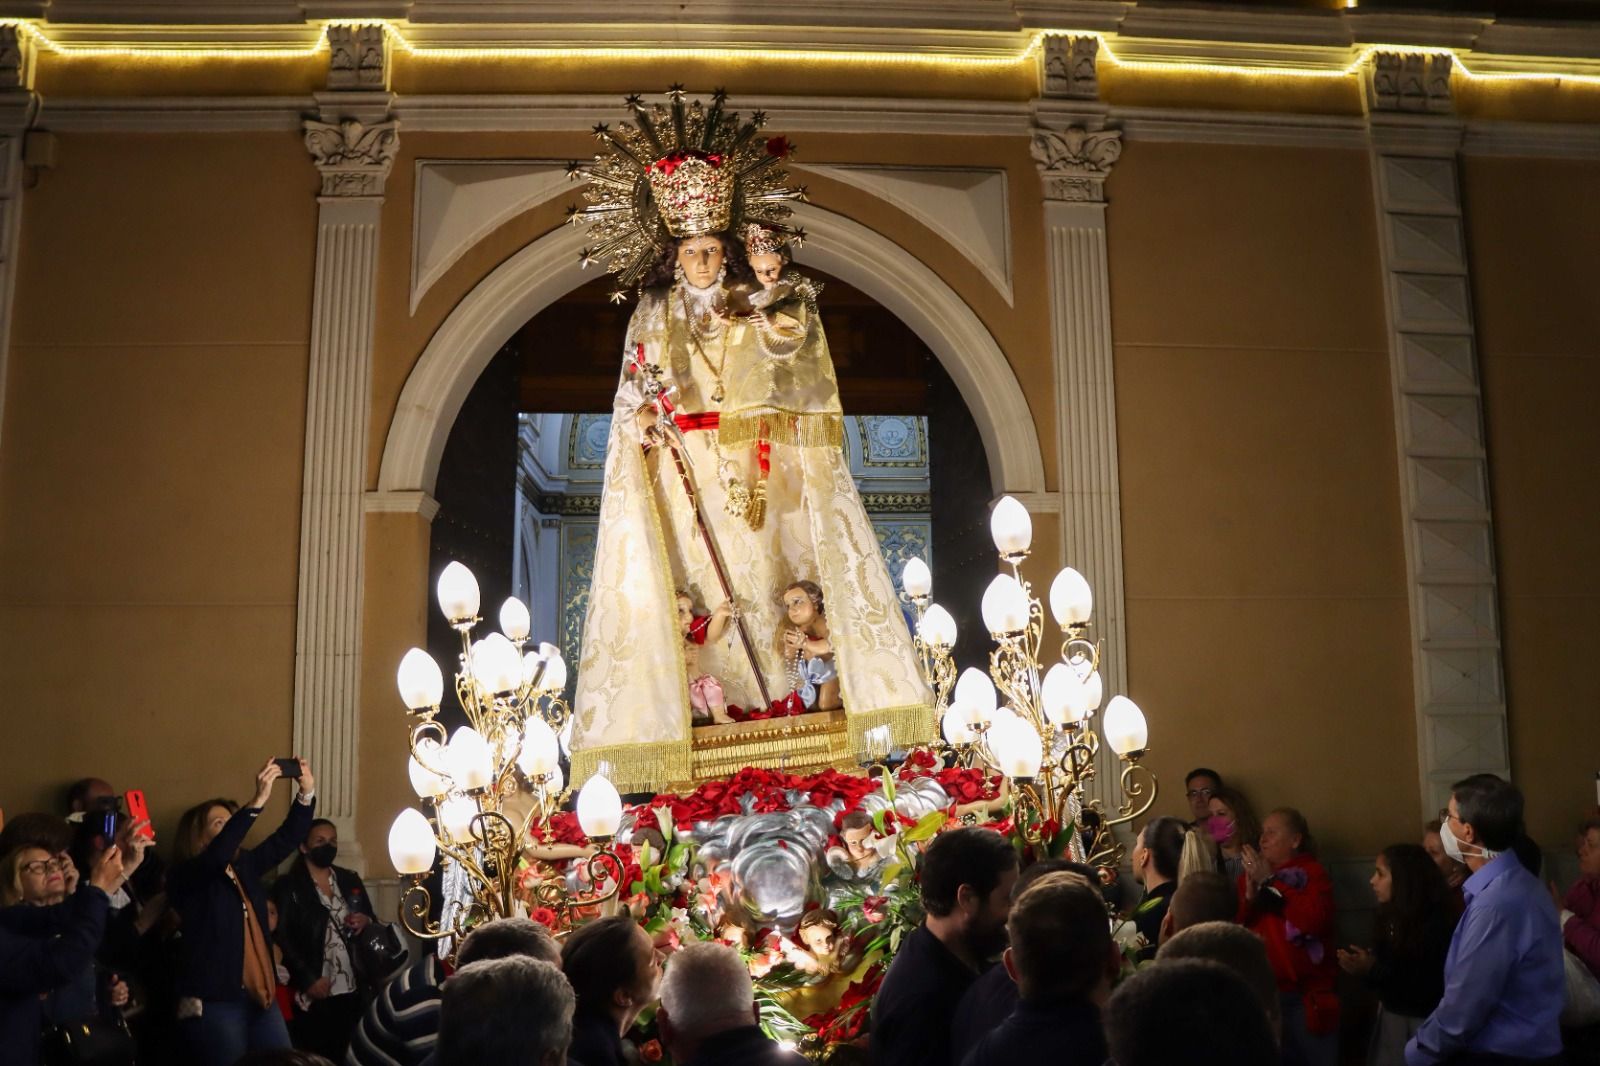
[[658, 395]]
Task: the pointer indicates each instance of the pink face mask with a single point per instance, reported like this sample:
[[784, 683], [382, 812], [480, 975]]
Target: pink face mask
[[1220, 827]]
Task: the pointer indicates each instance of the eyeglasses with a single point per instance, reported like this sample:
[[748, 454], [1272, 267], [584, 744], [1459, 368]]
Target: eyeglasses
[[1446, 816], [1206, 792], [44, 866]]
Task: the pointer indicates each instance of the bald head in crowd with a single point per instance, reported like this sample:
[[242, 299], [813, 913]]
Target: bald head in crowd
[[515, 1011]]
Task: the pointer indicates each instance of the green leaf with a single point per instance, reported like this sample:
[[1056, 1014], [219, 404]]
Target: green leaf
[[878, 822], [678, 856], [652, 881], [927, 827]]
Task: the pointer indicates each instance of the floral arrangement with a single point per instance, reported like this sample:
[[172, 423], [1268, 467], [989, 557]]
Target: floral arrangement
[[810, 998]]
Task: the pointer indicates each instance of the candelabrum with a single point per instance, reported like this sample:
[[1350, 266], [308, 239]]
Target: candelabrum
[[1042, 739], [488, 788]]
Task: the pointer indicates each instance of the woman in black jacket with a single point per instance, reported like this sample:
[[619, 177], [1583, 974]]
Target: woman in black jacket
[[1411, 938], [319, 906], [225, 970]]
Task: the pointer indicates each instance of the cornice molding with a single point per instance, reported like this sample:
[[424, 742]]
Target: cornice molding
[[1233, 127]]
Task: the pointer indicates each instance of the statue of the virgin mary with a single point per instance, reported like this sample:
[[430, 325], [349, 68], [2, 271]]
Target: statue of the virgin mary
[[726, 485]]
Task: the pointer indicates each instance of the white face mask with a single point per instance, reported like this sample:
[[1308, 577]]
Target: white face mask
[[1453, 845]]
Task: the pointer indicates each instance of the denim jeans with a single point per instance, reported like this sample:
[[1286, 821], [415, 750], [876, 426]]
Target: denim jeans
[[225, 1030]]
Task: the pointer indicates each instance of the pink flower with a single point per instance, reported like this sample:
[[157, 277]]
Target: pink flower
[[875, 909]]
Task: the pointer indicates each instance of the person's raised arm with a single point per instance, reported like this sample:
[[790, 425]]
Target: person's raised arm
[[291, 833]]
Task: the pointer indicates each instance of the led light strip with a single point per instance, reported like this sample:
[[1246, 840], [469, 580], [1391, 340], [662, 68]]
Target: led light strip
[[854, 56]]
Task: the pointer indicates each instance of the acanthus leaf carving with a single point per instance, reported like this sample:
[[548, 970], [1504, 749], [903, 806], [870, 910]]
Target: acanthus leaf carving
[[353, 158], [1417, 82], [1069, 68], [357, 57], [1075, 162]]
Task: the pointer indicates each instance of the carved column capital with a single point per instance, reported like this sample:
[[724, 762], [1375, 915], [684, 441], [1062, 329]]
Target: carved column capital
[[1068, 65], [358, 57], [1075, 162], [353, 157], [16, 58], [1412, 82]]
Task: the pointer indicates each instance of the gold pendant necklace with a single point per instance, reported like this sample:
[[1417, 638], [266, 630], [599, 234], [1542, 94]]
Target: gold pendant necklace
[[717, 393]]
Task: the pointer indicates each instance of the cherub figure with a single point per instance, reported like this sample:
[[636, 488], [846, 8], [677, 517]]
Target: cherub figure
[[861, 854], [706, 703], [803, 643], [823, 950]]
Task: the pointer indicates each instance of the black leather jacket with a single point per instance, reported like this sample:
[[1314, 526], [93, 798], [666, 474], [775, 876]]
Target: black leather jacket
[[303, 920]]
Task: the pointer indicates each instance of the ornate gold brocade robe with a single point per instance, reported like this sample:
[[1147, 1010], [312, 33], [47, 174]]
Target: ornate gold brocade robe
[[632, 702]]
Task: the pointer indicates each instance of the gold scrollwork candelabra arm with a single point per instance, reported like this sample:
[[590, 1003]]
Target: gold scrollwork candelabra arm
[[416, 904], [426, 727], [1028, 813], [938, 670], [1076, 763], [1138, 782]]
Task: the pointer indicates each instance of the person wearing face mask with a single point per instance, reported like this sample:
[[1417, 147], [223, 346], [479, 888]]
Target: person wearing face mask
[[1504, 977], [1231, 826], [320, 906]]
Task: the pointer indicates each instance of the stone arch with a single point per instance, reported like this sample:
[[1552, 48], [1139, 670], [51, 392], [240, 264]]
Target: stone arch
[[547, 269]]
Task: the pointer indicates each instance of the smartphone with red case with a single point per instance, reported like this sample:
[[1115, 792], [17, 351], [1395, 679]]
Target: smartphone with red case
[[137, 810]]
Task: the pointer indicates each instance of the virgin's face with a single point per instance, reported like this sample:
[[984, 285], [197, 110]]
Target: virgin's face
[[701, 258], [685, 614], [801, 611], [768, 268], [818, 938], [858, 842]]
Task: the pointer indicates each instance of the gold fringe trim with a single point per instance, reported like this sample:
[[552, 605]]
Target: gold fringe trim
[[908, 726], [796, 430], [635, 767]]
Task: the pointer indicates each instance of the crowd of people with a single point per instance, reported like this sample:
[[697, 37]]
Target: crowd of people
[[108, 954]]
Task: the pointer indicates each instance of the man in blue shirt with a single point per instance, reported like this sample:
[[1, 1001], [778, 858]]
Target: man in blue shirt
[[1504, 981]]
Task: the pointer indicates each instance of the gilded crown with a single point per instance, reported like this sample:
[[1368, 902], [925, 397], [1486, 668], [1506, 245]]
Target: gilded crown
[[759, 240], [693, 191]]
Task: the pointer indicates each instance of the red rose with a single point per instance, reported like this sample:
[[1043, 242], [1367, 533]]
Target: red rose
[[545, 917], [650, 1051], [875, 909]]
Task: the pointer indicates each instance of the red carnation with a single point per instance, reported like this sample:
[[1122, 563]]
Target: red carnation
[[779, 146]]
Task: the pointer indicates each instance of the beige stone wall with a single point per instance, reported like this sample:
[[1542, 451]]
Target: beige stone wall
[[1532, 229], [150, 471], [1267, 616]]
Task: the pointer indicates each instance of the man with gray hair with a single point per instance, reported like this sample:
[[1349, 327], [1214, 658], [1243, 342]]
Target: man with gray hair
[[515, 1011], [708, 1014]]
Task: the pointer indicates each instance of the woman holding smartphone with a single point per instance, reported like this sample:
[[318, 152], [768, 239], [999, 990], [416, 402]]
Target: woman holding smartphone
[[226, 977]]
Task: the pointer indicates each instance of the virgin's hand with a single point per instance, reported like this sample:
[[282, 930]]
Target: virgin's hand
[[792, 639], [264, 779]]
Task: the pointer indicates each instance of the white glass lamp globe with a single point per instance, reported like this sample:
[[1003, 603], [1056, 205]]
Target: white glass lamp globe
[[1125, 727], [955, 726], [514, 620], [411, 843], [915, 578], [1055, 692], [541, 752], [937, 628], [1016, 747], [1011, 527], [1094, 690], [421, 683], [555, 674], [1071, 598], [468, 757], [425, 782], [496, 664], [458, 593], [1005, 606], [456, 815], [976, 692], [599, 808]]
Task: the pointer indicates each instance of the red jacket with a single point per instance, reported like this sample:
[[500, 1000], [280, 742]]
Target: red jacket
[[1293, 912], [1581, 933]]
